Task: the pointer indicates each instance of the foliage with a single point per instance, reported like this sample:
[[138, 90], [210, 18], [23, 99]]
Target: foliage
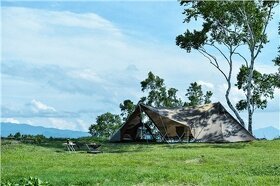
[[27, 182], [39, 138], [127, 108], [227, 25], [106, 125], [17, 135], [147, 164], [226, 22], [158, 94], [276, 75], [262, 88], [196, 96]]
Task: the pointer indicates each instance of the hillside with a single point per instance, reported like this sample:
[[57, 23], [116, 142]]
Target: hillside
[[267, 132], [253, 163], [11, 128]]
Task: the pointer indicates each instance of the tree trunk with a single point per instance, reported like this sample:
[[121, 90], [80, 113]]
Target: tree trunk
[[229, 88], [250, 121], [249, 92], [231, 106]]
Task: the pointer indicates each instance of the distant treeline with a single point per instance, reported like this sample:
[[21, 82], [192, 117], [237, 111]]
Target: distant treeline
[[28, 138]]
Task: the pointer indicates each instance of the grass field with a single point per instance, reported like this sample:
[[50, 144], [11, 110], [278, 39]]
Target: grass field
[[254, 163]]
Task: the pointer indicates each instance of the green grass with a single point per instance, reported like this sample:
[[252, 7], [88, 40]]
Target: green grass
[[254, 163]]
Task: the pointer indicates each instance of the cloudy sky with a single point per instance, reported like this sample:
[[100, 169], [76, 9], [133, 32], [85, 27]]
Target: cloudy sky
[[63, 64]]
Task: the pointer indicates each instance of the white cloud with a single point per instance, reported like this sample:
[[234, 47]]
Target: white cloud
[[235, 93], [39, 106], [65, 38], [87, 40], [61, 124], [77, 125], [206, 84], [87, 74], [10, 120], [82, 125]]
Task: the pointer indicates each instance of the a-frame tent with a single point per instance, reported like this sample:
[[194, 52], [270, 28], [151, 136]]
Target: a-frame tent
[[206, 123]]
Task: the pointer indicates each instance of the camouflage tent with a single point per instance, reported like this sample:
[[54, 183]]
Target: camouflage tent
[[206, 123]]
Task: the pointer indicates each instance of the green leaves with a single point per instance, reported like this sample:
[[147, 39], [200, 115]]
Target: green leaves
[[262, 88], [106, 125], [31, 181], [229, 23], [196, 96], [158, 94], [127, 107]]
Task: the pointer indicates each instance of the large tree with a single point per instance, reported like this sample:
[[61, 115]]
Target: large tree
[[228, 26], [106, 125]]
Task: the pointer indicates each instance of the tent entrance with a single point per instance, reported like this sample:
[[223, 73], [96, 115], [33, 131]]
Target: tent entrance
[[178, 133], [180, 130], [139, 132]]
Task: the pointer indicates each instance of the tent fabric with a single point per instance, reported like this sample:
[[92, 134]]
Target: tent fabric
[[206, 123]]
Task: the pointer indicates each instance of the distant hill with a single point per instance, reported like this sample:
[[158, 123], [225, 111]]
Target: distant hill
[[11, 128], [267, 132]]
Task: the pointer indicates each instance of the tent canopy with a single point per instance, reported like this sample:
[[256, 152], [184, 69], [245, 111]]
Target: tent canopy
[[206, 123]]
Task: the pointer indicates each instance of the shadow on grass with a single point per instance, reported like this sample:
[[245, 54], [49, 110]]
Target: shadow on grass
[[208, 145], [230, 146], [128, 147]]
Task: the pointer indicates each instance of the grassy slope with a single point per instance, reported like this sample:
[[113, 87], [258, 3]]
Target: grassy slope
[[255, 163]]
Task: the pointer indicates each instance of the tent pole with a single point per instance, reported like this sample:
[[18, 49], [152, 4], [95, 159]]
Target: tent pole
[[141, 121], [146, 125], [164, 128], [155, 125]]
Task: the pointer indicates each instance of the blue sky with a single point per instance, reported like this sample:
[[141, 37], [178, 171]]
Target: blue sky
[[65, 63]]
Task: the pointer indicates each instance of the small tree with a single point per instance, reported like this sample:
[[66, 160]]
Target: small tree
[[158, 94], [196, 96], [106, 125], [39, 138], [17, 136]]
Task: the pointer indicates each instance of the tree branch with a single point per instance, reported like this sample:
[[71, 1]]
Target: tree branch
[[263, 32], [221, 52], [243, 12], [211, 58], [242, 58]]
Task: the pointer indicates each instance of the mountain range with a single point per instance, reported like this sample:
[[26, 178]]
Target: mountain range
[[12, 128], [267, 132]]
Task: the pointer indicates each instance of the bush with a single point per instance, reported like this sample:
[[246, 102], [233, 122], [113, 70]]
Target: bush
[[27, 182]]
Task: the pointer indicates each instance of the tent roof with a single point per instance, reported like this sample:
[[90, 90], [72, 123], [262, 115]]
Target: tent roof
[[209, 122]]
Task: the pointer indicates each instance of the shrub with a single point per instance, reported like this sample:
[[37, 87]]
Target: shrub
[[27, 182]]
